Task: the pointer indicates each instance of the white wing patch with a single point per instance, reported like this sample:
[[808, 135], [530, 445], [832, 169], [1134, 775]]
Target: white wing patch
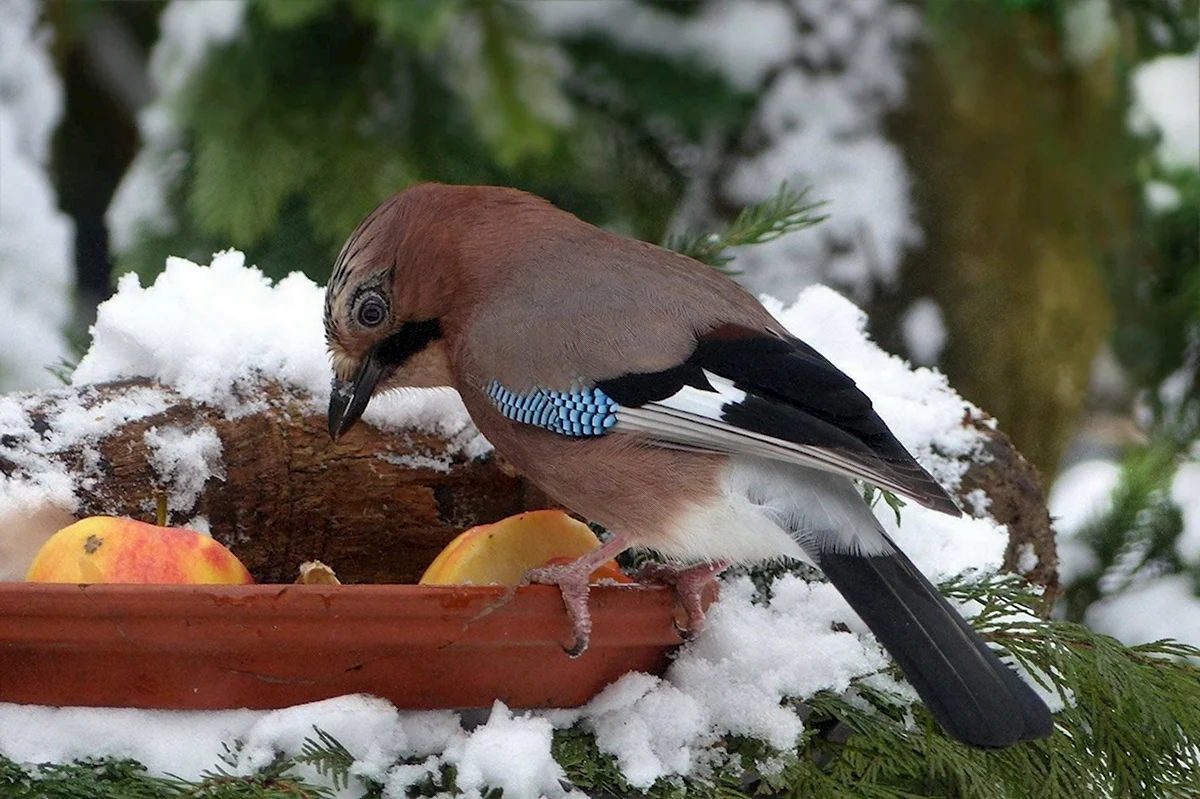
[[706, 404], [766, 510], [691, 419]]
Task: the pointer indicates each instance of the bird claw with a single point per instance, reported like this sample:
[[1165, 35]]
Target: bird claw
[[572, 583], [689, 583], [576, 649], [688, 633]]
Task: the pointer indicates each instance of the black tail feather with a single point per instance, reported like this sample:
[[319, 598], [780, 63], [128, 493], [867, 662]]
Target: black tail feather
[[968, 690]]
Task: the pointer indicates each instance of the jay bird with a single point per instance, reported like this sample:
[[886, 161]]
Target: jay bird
[[653, 395]]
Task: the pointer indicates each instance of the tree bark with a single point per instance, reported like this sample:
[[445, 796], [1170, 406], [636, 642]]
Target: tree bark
[[1023, 189], [289, 494]]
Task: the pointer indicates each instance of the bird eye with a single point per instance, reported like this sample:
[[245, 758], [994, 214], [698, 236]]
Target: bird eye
[[372, 311]]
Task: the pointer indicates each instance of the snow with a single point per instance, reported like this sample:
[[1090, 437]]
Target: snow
[[29, 88], [650, 726], [742, 40], [1090, 30], [1161, 607], [185, 743], [539, 67], [1154, 605], [211, 333], [924, 331], [214, 333], [1027, 559], [822, 121], [825, 72], [35, 236], [1081, 494], [1160, 196], [1164, 101], [38, 497], [184, 460], [917, 404], [757, 654], [187, 32], [366, 725], [509, 752], [1185, 492]]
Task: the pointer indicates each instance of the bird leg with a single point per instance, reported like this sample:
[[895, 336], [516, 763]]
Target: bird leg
[[572, 580], [689, 583]]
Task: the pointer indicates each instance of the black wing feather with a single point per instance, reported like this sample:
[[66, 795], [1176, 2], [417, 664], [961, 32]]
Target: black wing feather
[[794, 394], [635, 389]]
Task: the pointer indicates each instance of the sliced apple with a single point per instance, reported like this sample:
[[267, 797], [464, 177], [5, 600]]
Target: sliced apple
[[502, 552]]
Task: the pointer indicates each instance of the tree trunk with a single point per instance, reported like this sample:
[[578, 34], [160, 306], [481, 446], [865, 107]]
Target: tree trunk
[[1022, 187]]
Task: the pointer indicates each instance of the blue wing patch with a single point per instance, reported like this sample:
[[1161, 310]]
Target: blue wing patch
[[588, 412]]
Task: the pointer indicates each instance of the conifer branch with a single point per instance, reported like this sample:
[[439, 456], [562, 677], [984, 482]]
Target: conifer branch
[[327, 755], [784, 212]]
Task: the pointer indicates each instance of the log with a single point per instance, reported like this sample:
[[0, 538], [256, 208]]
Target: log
[[1015, 499], [288, 494], [376, 506]]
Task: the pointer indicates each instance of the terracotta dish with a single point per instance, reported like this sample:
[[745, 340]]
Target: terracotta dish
[[268, 646]]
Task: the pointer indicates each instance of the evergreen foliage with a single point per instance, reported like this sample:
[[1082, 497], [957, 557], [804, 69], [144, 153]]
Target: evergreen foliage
[[1136, 539], [1152, 276], [1130, 726], [785, 212], [459, 90], [388, 94], [1155, 292]]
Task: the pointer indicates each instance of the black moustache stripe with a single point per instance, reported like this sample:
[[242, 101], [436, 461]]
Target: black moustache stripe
[[411, 338]]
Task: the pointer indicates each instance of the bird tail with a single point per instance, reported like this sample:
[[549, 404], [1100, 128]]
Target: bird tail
[[968, 690]]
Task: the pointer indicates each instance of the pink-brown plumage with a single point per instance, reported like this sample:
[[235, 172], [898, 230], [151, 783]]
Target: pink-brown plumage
[[505, 284], [657, 397], [505, 271]]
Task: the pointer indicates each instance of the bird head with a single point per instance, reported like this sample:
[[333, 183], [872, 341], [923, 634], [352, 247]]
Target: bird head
[[383, 306], [409, 276]]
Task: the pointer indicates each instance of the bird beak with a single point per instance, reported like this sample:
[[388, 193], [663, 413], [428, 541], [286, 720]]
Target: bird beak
[[348, 398]]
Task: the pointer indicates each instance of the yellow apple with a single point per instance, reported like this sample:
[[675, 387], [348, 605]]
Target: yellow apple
[[107, 549], [502, 552]]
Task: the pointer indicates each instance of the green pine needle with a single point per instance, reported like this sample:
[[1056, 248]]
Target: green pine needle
[[327, 755], [1130, 729], [1138, 533], [784, 212], [872, 494]]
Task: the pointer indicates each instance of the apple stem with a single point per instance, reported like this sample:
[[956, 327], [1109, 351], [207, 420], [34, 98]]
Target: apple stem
[[160, 507]]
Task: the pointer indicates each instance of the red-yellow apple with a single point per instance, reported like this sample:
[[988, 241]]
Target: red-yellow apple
[[107, 549], [501, 553]]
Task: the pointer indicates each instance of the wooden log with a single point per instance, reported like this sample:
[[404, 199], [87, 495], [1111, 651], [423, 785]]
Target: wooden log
[[1015, 496], [288, 493], [375, 506]]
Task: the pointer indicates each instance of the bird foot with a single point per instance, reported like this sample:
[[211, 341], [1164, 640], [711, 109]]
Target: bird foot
[[572, 581], [689, 583]]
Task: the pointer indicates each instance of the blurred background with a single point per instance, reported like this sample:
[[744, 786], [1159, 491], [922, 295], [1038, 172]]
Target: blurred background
[[1013, 189]]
